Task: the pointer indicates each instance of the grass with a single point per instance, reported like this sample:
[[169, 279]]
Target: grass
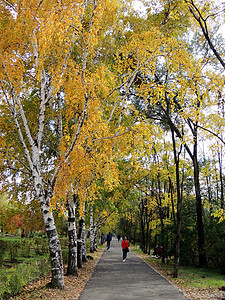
[[10, 238], [73, 285], [197, 283], [200, 278], [24, 252]]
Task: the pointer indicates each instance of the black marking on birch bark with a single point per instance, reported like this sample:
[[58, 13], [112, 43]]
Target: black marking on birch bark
[[49, 219], [46, 203], [75, 197], [48, 193], [45, 211], [71, 219], [51, 233], [36, 142], [81, 222], [39, 186]]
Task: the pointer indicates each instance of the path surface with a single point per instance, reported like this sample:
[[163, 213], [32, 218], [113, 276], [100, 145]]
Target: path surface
[[114, 279]]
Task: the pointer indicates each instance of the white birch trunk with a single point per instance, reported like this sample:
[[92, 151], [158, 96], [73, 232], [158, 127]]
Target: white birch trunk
[[95, 237], [32, 145], [99, 236], [72, 236], [83, 240], [79, 245], [53, 239], [92, 230], [83, 237], [43, 193]]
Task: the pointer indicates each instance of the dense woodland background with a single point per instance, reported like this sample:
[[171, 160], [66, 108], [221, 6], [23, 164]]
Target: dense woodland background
[[112, 119]]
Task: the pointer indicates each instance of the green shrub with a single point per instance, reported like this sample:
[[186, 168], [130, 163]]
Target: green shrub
[[13, 282], [14, 279], [26, 247], [64, 242], [189, 234], [65, 253], [3, 248], [215, 241], [44, 267], [13, 248], [41, 245], [88, 243]]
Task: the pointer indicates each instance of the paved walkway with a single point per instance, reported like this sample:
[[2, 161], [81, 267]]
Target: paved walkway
[[114, 279]]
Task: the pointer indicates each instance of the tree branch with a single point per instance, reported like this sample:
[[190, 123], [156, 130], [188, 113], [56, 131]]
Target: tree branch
[[211, 132], [203, 24]]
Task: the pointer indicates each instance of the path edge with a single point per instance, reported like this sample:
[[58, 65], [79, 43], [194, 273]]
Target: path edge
[[174, 285], [94, 267]]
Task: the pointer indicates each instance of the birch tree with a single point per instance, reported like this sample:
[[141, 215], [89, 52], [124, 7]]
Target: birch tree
[[45, 88], [27, 71], [72, 235]]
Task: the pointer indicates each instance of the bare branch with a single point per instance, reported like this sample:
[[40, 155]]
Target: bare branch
[[6, 2], [12, 107], [203, 24], [213, 133]]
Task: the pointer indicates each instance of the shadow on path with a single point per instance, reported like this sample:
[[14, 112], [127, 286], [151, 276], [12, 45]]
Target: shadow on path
[[134, 279]]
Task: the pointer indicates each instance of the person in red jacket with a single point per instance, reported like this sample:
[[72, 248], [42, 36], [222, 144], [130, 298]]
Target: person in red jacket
[[125, 248]]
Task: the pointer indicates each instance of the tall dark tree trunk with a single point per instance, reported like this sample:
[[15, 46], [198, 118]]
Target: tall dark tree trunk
[[147, 225], [179, 202], [194, 158], [162, 228], [209, 195], [221, 179], [147, 236], [200, 227], [220, 154], [149, 241], [142, 224], [173, 129], [159, 196], [130, 231], [171, 191]]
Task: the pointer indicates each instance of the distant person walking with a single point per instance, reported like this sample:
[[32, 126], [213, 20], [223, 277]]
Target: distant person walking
[[158, 251], [125, 247], [108, 239], [22, 233]]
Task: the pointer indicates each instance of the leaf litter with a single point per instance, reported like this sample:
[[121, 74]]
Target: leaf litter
[[73, 285]]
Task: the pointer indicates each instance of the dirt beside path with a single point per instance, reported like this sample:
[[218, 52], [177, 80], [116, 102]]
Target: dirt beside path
[[73, 285]]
